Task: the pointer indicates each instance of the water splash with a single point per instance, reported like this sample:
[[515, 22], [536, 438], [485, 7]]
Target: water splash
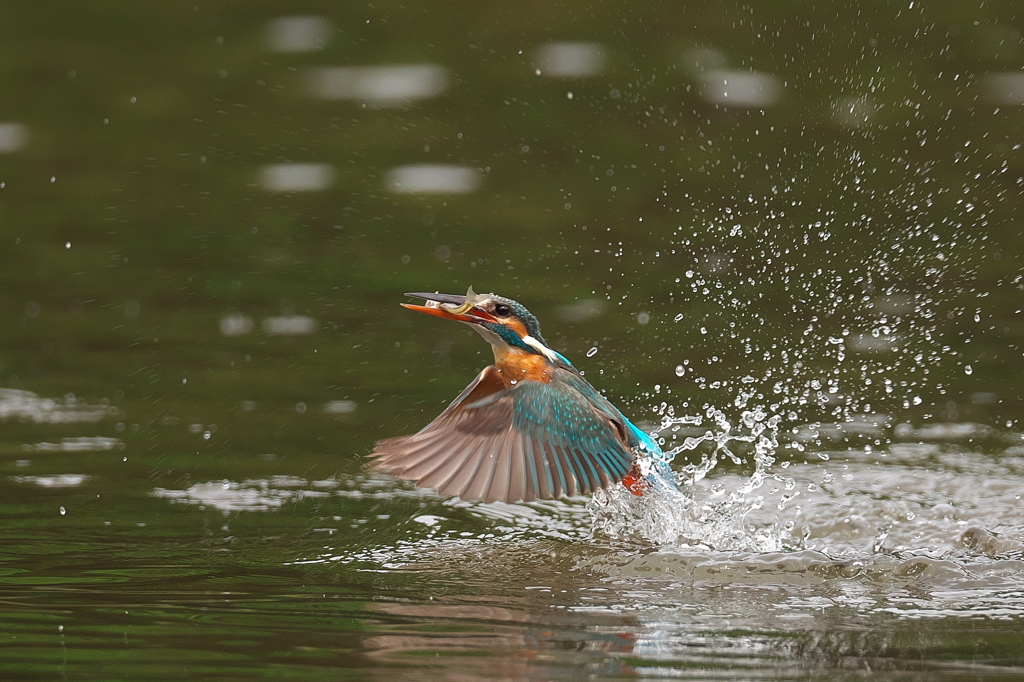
[[690, 512]]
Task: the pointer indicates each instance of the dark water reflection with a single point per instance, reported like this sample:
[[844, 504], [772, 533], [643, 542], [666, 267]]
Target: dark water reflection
[[226, 602], [788, 235]]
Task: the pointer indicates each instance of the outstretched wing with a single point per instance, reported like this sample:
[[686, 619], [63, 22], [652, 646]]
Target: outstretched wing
[[533, 441]]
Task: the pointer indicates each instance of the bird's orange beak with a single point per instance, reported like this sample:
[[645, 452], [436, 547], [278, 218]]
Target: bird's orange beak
[[450, 307]]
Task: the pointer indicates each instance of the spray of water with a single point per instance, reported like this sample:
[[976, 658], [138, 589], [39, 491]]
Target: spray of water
[[691, 512], [820, 328]]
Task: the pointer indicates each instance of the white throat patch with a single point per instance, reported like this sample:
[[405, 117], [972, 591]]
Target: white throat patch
[[540, 347], [498, 343]]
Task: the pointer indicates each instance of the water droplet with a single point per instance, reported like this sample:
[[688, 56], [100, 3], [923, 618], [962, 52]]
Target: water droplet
[[592, 352], [67, 245], [680, 370], [63, 511], [968, 369]]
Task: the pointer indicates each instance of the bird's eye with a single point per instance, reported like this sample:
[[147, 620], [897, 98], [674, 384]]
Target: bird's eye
[[502, 310]]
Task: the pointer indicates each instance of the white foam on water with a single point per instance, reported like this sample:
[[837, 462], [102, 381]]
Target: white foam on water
[[78, 444], [254, 495], [54, 481], [686, 516], [386, 85], [297, 177], [26, 406], [235, 324], [1004, 88], [931, 497], [433, 178], [13, 137], [298, 33], [289, 325], [570, 59], [741, 88]]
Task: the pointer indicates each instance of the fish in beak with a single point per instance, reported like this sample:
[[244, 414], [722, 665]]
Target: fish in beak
[[453, 306]]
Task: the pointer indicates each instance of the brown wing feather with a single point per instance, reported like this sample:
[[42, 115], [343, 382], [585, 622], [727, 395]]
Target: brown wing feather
[[475, 451], [446, 452]]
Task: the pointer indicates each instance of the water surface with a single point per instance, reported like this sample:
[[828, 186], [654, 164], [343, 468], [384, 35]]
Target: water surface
[[787, 239]]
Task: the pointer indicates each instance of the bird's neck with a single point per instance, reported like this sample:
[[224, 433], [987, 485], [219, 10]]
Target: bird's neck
[[516, 365]]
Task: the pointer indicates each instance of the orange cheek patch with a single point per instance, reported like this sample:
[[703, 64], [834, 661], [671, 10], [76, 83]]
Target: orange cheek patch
[[518, 326]]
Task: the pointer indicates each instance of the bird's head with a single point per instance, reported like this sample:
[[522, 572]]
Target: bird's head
[[506, 324]]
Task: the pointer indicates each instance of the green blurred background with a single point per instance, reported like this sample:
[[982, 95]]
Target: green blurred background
[[812, 209], [874, 188]]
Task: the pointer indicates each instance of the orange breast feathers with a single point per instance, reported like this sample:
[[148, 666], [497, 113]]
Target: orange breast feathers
[[516, 365]]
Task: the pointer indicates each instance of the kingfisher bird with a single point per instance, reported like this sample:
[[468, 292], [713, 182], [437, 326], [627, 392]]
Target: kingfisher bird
[[528, 427]]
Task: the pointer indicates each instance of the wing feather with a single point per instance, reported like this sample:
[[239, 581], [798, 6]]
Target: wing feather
[[445, 474], [484, 472], [531, 473], [545, 483], [587, 471], [531, 441], [432, 471], [498, 486], [517, 470], [558, 473], [572, 481]]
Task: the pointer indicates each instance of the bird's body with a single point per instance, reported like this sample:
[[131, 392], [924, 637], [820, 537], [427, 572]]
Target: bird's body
[[528, 427]]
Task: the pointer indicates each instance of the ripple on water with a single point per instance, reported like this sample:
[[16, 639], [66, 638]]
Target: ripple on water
[[55, 481], [919, 530], [29, 407]]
